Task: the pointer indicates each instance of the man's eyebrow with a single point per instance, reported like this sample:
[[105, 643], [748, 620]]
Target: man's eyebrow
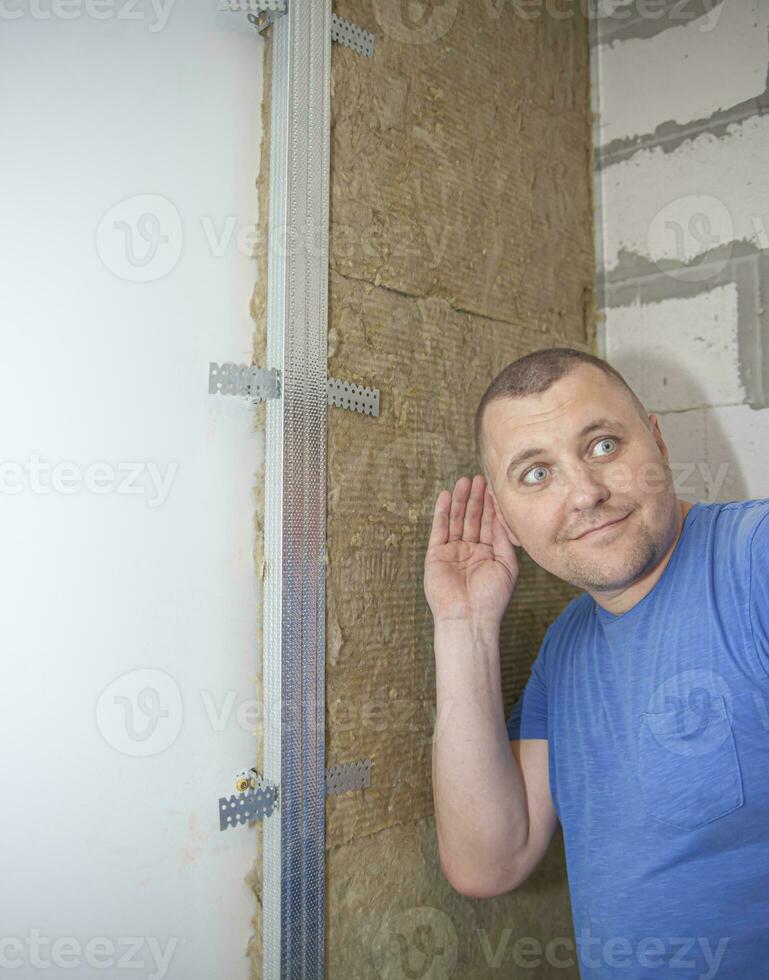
[[603, 423]]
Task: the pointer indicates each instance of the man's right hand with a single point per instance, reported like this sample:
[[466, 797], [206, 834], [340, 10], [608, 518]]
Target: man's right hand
[[471, 568]]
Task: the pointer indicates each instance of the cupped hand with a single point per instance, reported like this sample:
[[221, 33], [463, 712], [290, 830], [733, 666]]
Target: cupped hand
[[471, 568]]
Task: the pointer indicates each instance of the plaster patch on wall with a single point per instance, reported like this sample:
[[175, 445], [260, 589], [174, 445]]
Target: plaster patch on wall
[[677, 206], [683, 74], [747, 273], [619, 20]]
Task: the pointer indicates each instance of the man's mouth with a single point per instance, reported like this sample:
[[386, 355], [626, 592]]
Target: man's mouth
[[602, 529]]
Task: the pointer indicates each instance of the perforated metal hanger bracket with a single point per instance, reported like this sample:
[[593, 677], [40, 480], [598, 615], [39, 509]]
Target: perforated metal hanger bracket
[[257, 384], [257, 799], [262, 13]]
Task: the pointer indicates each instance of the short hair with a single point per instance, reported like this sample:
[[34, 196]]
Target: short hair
[[536, 372]]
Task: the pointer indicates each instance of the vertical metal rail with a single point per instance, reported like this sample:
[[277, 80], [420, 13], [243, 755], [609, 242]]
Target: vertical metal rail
[[295, 492]]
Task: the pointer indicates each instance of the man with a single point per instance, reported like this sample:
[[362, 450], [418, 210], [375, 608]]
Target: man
[[644, 726]]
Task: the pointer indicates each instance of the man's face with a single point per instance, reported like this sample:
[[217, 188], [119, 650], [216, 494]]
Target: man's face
[[577, 480]]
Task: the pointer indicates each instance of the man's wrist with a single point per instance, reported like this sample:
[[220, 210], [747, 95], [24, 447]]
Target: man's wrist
[[474, 629]]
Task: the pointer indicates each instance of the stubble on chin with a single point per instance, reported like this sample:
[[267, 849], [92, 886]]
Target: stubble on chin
[[617, 567]]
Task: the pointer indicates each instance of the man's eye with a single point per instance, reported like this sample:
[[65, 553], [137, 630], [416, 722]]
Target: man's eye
[[612, 440], [609, 439], [534, 469]]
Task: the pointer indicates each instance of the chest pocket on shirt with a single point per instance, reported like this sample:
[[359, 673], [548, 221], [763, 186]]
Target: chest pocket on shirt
[[687, 762]]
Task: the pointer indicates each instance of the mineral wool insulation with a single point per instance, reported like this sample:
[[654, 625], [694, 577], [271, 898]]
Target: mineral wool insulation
[[461, 238]]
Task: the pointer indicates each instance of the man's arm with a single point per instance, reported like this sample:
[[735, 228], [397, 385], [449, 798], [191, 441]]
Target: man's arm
[[493, 811], [531, 757]]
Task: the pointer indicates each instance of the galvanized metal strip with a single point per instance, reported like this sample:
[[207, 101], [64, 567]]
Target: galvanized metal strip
[[295, 493], [246, 380], [253, 6], [259, 384], [250, 806], [351, 36], [351, 775], [258, 798], [354, 398]]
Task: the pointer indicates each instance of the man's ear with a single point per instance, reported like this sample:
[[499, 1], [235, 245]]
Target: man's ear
[[655, 429], [503, 522]]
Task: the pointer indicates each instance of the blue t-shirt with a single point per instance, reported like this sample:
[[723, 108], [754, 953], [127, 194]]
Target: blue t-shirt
[[657, 723]]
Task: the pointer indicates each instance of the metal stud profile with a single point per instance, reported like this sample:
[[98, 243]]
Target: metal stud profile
[[293, 637]]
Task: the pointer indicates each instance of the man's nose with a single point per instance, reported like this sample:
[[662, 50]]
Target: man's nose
[[585, 486]]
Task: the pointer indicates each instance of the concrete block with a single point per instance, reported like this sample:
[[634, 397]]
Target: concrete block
[[718, 454], [686, 73], [676, 206], [679, 353], [615, 20]]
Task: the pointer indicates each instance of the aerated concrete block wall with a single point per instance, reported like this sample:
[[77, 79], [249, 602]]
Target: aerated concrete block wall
[[682, 220], [461, 238]]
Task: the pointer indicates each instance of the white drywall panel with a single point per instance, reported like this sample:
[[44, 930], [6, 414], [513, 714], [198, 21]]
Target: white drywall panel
[[129, 153]]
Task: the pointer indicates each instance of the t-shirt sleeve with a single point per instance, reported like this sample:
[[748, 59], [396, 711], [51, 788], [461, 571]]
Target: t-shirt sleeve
[[759, 589], [528, 718]]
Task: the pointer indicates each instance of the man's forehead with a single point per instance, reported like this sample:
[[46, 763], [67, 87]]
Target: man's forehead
[[534, 412], [516, 424]]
